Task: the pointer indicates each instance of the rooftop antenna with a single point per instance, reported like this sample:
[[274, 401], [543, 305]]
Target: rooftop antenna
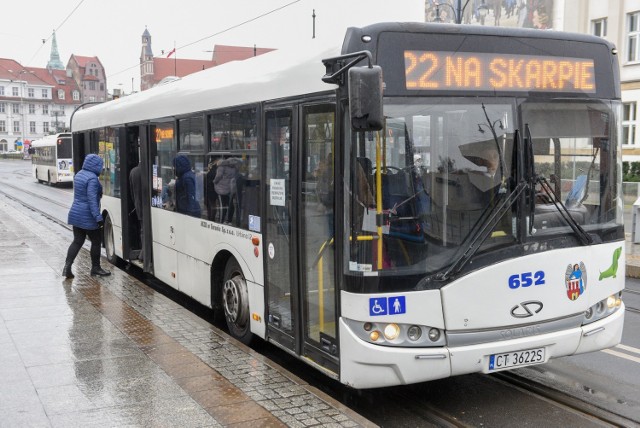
[[314, 24]]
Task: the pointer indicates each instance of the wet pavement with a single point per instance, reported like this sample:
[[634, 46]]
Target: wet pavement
[[113, 352]]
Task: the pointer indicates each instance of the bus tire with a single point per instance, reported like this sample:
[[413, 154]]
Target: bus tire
[[109, 241], [235, 300]]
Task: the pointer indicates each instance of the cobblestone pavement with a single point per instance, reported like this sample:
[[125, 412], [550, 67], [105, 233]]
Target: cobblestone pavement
[[113, 352]]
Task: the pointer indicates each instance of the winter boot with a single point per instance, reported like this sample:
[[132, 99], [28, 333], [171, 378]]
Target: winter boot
[[97, 270], [66, 271]]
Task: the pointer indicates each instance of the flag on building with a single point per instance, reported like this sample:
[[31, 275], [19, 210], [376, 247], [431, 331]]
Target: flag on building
[[171, 52]]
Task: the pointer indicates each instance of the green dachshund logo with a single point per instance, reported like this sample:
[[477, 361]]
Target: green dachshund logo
[[613, 269]]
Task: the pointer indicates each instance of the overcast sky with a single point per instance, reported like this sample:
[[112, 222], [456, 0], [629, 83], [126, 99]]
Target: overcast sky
[[112, 30]]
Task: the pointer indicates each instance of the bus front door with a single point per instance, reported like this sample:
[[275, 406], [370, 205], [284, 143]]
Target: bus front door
[[298, 235]]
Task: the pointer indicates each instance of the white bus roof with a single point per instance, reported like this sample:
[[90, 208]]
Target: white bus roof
[[271, 76], [48, 140]]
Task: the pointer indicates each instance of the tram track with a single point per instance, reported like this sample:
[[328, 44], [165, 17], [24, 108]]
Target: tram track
[[404, 398], [631, 308], [576, 405], [34, 194], [33, 207]]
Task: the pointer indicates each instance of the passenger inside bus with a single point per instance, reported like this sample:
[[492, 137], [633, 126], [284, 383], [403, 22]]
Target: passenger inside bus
[[209, 188], [135, 183], [186, 201], [226, 186]]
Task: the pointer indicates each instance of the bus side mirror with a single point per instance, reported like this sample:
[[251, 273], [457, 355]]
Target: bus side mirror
[[365, 98]]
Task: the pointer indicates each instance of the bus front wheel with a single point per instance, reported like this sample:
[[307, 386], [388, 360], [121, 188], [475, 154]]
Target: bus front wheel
[[235, 299], [109, 241]]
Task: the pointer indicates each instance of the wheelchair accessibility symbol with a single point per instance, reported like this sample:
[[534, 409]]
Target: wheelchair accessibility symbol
[[394, 305]]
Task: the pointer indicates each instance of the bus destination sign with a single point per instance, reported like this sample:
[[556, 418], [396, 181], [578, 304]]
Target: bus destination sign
[[466, 71]]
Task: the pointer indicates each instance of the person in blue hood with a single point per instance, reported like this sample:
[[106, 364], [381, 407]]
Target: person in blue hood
[[85, 216], [186, 202]]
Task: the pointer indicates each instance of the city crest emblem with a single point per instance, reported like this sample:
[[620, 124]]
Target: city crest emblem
[[575, 279]]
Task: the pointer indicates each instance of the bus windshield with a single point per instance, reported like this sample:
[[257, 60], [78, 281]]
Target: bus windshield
[[64, 147], [437, 178]]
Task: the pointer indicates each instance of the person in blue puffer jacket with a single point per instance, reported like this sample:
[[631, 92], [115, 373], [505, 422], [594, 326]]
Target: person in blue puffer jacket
[[186, 202], [85, 216]]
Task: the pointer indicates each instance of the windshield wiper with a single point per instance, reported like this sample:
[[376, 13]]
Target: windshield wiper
[[583, 236], [484, 226], [530, 172]]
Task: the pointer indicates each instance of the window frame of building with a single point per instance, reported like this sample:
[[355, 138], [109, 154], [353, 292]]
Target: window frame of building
[[3, 126], [15, 91], [45, 93], [599, 27], [45, 127], [32, 126], [76, 95], [3, 108], [61, 94], [15, 108], [629, 124], [92, 86], [1, 91], [31, 93], [45, 108], [16, 126], [633, 37], [32, 109]]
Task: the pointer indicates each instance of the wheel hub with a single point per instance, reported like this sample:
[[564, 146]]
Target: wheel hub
[[236, 304]]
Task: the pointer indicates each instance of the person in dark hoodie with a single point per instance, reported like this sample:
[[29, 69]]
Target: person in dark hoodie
[[85, 216], [186, 202]]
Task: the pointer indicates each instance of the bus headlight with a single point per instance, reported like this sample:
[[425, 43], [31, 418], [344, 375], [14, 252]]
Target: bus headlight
[[434, 334], [414, 332], [391, 331], [397, 334], [603, 308]]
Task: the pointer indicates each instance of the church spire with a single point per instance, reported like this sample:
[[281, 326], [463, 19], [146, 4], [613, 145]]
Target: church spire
[[54, 59]]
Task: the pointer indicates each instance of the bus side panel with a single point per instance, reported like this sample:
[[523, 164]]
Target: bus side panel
[[194, 278], [165, 265], [256, 306], [112, 206], [184, 248]]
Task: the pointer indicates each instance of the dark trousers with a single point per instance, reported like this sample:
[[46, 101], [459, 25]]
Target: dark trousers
[[79, 235]]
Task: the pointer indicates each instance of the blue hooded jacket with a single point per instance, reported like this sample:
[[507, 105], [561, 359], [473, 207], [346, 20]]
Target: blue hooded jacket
[[87, 192], [186, 202]]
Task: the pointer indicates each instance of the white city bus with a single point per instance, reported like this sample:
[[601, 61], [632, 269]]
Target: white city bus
[[416, 202], [52, 159]]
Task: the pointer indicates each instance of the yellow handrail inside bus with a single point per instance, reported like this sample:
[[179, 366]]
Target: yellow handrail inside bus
[[379, 198]]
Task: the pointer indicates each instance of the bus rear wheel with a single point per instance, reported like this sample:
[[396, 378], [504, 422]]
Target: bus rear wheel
[[109, 241], [235, 299]]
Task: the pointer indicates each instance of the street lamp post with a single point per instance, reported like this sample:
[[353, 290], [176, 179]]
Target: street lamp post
[[459, 10]]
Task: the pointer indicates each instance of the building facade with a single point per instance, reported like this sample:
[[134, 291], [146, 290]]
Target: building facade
[[89, 75], [35, 102]]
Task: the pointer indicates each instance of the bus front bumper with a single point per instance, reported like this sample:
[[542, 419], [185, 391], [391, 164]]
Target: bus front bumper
[[364, 365]]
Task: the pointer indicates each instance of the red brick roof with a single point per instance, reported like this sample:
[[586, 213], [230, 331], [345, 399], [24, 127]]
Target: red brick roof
[[83, 60], [57, 79], [225, 53], [164, 67]]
